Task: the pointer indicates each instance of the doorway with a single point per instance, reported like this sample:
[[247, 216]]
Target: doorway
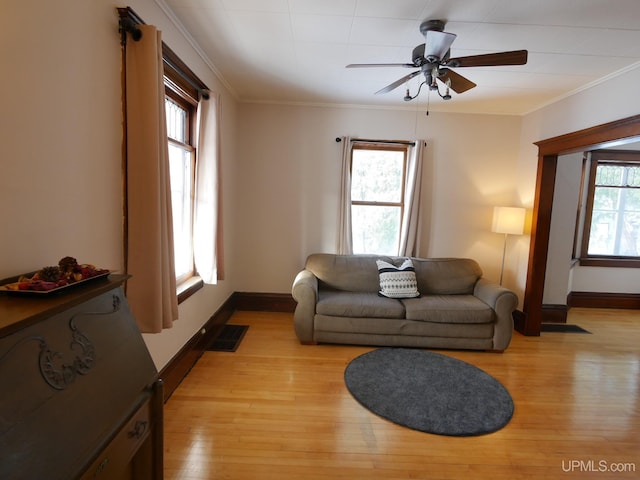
[[607, 135]]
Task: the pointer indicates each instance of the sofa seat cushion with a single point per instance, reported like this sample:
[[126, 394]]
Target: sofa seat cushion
[[400, 327], [337, 303], [448, 309]]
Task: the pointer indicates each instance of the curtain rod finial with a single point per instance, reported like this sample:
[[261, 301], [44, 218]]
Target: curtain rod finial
[[338, 139], [128, 25]]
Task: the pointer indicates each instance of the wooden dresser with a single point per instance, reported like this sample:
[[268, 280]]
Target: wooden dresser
[[80, 396]]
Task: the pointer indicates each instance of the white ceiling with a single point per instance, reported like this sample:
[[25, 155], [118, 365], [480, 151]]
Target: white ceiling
[[295, 51]]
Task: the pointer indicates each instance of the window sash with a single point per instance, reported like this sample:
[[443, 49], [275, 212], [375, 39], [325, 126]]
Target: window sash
[[182, 165], [182, 160]]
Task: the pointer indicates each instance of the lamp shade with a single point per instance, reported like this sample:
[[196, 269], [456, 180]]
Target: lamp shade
[[509, 220]]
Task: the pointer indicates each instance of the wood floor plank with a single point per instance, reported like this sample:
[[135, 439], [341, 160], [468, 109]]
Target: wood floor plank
[[275, 409]]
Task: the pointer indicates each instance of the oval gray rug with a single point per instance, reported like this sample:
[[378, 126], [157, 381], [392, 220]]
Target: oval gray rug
[[429, 392]]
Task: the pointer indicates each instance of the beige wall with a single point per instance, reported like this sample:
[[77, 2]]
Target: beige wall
[[61, 137], [290, 169]]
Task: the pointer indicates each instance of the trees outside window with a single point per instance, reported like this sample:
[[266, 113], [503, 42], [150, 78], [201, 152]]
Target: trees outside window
[[612, 217], [377, 197]]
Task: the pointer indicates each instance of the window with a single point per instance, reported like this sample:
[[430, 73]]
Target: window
[[377, 197], [180, 116], [611, 233], [182, 90]]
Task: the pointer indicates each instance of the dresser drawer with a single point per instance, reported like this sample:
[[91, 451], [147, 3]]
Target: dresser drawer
[[115, 459]]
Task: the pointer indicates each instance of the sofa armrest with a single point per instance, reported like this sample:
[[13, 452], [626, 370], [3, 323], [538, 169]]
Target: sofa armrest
[[504, 302], [305, 292]]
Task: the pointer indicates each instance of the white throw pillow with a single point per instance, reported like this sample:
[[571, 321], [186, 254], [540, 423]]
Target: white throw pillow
[[398, 282]]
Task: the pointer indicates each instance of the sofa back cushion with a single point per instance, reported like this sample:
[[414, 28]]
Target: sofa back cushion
[[354, 273], [446, 276], [359, 273]]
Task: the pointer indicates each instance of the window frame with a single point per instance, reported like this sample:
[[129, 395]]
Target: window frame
[[389, 147], [599, 157]]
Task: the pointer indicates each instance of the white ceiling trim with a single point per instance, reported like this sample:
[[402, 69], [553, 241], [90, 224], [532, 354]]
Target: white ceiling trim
[[599, 81]]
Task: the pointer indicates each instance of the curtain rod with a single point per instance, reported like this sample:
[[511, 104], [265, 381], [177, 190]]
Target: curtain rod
[[129, 21], [393, 142]]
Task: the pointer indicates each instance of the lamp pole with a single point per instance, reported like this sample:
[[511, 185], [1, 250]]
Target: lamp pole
[[504, 251], [507, 220]]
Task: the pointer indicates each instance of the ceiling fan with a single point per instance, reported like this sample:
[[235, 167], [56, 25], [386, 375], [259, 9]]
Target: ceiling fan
[[432, 60]]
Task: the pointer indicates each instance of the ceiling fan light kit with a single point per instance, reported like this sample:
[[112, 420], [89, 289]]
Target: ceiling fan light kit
[[432, 58]]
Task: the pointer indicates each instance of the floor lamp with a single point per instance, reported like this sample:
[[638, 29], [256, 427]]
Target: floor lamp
[[509, 221]]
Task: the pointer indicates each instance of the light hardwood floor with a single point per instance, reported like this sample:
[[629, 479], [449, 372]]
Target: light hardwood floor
[[279, 410]]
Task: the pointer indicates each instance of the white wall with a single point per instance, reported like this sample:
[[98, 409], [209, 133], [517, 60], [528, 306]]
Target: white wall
[[61, 137], [289, 163], [565, 206], [602, 103], [61, 189]]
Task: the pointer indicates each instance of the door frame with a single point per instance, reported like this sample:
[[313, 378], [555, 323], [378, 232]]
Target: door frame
[[607, 135]]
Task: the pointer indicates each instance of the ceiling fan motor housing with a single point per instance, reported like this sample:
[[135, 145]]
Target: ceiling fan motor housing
[[429, 25]]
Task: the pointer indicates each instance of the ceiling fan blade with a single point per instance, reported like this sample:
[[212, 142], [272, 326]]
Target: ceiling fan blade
[[397, 83], [459, 84], [367, 65], [516, 57], [437, 44]]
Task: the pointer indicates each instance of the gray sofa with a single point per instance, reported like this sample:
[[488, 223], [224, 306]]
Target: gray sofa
[[338, 302]]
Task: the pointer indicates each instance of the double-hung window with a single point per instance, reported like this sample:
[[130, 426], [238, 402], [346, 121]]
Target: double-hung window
[[181, 103], [611, 234], [182, 163], [377, 197]]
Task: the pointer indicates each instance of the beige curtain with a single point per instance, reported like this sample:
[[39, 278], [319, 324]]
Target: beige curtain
[[345, 240], [409, 228], [151, 291], [207, 235]]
